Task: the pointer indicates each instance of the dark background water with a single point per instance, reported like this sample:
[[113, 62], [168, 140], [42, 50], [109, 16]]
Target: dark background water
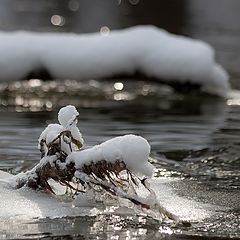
[[193, 138]]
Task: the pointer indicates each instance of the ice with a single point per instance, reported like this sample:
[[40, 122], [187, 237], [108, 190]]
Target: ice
[[148, 50], [24, 203]]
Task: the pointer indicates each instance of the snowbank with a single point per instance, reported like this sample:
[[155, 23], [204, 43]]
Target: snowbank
[[153, 52], [131, 149]]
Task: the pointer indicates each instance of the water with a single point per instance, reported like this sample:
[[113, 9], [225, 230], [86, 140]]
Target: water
[[194, 140]]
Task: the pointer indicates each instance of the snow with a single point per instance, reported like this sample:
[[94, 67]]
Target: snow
[[146, 49], [131, 149], [67, 117], [50, 132]]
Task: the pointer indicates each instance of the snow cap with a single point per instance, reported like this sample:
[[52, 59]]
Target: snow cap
[[131, 149], [66, 114], [135, 152]]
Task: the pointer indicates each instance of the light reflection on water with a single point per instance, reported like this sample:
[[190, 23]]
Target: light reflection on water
[[38, 95], [192, 138]]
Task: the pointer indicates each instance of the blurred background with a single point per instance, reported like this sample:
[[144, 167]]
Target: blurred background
[[216, 22]]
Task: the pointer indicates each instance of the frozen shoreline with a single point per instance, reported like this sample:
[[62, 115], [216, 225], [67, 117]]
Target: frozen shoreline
[[28, 204]]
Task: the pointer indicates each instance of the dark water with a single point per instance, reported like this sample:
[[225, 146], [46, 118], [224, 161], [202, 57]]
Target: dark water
[[194, 139]]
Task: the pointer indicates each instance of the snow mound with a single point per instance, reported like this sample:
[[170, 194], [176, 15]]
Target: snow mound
[[131, 149], [50, 133], [67, 114], [68, 118], [148, 50]]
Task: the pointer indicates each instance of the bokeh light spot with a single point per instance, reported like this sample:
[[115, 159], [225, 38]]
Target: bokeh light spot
[[57, 20], [105, 31], [134, 2], [118, 86], [73, 5]]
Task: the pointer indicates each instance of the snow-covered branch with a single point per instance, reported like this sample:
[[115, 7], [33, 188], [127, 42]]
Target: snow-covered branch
[[119, 166]]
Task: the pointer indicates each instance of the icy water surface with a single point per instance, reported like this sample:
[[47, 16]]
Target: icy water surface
[[195, 143]]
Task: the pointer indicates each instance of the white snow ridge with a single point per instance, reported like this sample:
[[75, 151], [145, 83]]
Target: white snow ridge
[[131, 149], [148, 50]]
